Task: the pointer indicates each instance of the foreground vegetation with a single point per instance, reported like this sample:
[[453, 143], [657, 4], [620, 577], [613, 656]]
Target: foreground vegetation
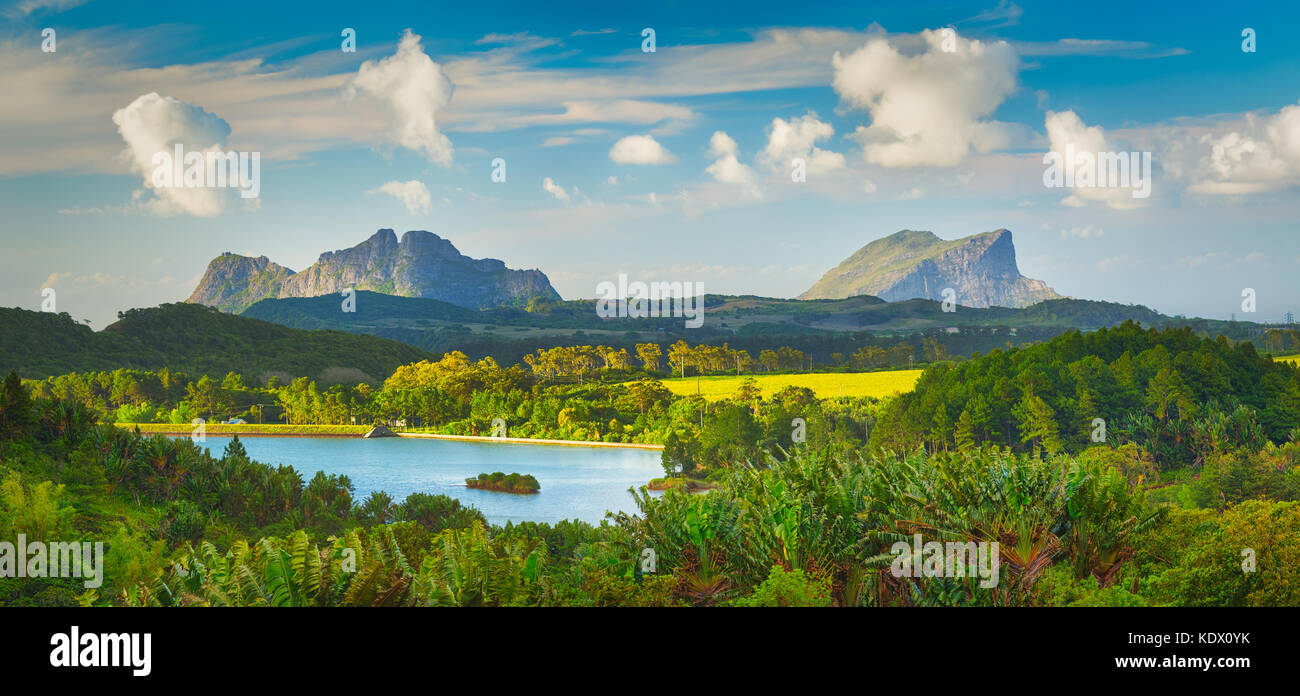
[[1187, 498]]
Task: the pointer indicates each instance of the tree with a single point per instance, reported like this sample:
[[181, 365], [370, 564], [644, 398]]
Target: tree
[[749, 392], [1167, 396], [16, 414], [1038, 424], [378, 508], [964, 435]]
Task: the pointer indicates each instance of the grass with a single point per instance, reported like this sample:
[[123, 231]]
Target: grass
[[825, 385], [250, 429], [1293, 359]]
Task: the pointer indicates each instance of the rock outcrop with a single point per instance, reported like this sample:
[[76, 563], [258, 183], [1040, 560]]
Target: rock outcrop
[[421, 264], [981, 270]]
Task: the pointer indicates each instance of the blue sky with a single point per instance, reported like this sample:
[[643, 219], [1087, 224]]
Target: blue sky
[[672, 165]]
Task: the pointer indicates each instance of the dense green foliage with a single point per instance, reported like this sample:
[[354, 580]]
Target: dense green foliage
[[1172, 392], [506, 483]]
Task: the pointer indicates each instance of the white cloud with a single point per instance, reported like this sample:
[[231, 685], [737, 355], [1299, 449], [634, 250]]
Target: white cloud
[[787, 140], [726, 166], [558, 141], [1085, 232], [1067, 132], [639, 149], [412, 89], [413, 194], [1260, 154], [25, 7], [1006, 14], [1115, 263], [153, 124], [927, 105], [1097, 47], [555, 189]]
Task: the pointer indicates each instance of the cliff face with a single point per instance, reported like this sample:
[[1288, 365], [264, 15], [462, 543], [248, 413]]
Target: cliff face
[[233, 282], [421, 264], [981, 269]]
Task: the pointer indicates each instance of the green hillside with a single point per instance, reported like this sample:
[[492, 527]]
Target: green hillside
[[194, 339]]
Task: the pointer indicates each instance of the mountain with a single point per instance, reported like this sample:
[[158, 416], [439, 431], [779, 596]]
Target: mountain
[[820, 327], [233, 282], [422, 264], [197, 340], [981, 269]]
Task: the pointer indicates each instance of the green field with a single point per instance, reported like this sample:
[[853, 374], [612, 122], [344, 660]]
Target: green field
[[1293, 359], [826, 385]]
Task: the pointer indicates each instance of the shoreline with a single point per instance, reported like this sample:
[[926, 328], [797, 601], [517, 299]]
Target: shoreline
[[533, 441], [220, 430], [248, 430]]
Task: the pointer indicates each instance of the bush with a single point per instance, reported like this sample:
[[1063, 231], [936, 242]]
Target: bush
[[784, 588], [184, 522]]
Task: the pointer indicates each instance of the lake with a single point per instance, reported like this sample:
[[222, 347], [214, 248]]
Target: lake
[[577, 482]]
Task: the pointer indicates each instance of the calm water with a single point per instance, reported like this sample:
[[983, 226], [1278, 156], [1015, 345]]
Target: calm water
[[581, 482]]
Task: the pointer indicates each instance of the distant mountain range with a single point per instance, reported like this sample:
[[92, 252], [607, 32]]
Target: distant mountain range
[[422, 264], [746, 322], [980, 269]]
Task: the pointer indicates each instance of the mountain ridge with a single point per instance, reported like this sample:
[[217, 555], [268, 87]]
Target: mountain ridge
[[420, 264], [981, 269]]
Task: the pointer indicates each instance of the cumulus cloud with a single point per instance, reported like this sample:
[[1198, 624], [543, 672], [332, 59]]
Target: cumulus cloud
[[1079, 147], [411, 88], [726, 166], [1258, 155], [928, 106], [639, 149], [413, 194], [549, 186], [787, 140], [153, 124]]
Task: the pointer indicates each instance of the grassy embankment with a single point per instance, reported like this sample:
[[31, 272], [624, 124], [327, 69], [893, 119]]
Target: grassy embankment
[[825, 385], [279, 429]]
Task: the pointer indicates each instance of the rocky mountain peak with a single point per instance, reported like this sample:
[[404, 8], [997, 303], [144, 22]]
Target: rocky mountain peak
[[981, 269], [421, 264]]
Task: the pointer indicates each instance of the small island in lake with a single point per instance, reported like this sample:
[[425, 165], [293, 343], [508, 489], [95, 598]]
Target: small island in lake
[[523, 484]]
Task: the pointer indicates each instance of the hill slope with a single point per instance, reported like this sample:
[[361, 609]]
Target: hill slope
[[981, 269], [194, 339], [421, 264]]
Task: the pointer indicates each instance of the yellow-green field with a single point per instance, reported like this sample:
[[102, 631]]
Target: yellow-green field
[[1294, 359], [826, 386]]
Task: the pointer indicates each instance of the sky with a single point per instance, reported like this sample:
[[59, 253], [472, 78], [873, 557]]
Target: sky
[[677, 164]]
